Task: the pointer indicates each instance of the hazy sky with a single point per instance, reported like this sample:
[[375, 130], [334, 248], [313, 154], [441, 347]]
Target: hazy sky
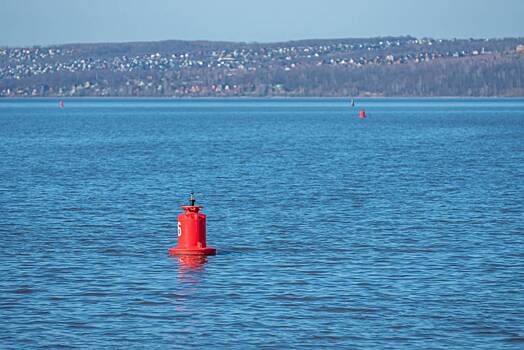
[[42, 22]]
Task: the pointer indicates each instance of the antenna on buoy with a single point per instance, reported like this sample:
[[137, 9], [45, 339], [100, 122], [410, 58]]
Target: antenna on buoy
[[192, 199]]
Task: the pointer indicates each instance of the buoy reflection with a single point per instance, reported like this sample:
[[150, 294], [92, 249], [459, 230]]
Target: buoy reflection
[[194, 263], [189, 266]]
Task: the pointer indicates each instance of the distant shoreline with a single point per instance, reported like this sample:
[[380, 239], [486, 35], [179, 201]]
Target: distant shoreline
[[401, 66], [274, 98]]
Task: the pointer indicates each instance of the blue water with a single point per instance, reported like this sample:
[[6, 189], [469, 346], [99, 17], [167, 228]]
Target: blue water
[[401, 231]]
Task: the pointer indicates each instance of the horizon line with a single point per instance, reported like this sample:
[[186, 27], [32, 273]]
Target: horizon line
[[253, 42]]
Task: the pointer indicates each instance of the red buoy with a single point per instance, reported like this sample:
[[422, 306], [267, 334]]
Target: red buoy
[[192, 232], [362, 114]]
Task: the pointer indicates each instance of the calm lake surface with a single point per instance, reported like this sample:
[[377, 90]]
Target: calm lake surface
[[404, 230]]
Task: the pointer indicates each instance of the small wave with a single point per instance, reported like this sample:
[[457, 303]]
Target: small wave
[[515, 340], [153, 303], [326, 337], [24, 291], [341, 309], [94, 294], [73, 209], [232, 250], [60, 346], [294, 297], [112, 251], [175, 296], [79, 325]]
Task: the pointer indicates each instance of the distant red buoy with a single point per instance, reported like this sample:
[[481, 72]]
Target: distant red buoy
[[362, 114], [192, 232], [61, 104]]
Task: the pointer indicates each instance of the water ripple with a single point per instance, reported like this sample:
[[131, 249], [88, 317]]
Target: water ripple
[[402, 231]]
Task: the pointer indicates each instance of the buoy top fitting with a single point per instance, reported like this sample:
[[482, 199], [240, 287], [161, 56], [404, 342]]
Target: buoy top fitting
[[192, 207]]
